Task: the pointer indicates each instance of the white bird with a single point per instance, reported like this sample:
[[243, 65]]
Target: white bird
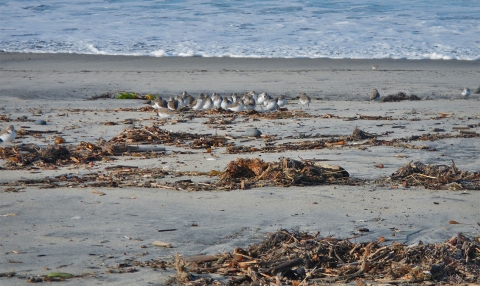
[[249, 103], [159, 102], [237, 106], [375, 95], [7, 135], [305, 99], [282, 101], [271, 104], [165, 112], [261, 98], [197, 104], [217, 100], [207, 103], [225, 103], [465, 93]]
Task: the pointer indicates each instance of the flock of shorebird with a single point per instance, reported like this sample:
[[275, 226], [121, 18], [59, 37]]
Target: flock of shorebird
[[234, 102]]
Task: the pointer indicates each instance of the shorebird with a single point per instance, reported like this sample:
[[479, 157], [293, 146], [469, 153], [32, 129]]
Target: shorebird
[[374, 95], [164, 112], [197, 104], [282, 101], [225, 103], [172, 103], [7, 135], [217, 100], [249, 103], [237, 106], [261, 98], [465, 93], [159, 102], [375, 67], [271, 104], [207, 103], [305, 99]]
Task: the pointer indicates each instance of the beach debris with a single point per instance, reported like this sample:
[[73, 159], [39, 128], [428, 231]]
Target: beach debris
[[162, 244], [285, 172], [253, 132], [358, 135], [59, 140], [40, 122], [300, 258], [399, 97], [477, 91], [436, 176]]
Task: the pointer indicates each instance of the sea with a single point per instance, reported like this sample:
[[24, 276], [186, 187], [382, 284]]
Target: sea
[[347, 29]]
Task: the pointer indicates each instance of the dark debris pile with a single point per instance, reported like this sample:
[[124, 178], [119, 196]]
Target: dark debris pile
[[156, 135], [436, 177], [243, 173], [399, 97], [292, 258]]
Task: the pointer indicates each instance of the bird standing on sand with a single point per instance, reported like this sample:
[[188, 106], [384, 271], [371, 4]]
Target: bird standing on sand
[[375, 67], [282, 101], [305, 99], [172, 103], [271, 104], [465, 93], [7, 135], [159, 102], [165, 112], [237, 106], [375, 95]]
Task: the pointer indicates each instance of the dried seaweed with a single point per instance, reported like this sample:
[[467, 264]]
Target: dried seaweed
[[436, 176], [286, 172], [298, 258], [399, 97]]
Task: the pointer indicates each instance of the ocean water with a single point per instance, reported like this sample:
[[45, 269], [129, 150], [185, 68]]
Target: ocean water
[[360, 29]]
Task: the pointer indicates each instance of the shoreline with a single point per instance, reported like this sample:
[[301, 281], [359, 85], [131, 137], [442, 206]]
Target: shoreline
[[65, 76]]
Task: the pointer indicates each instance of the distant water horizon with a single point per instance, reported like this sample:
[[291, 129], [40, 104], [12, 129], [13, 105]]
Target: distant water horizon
[[364, 29]]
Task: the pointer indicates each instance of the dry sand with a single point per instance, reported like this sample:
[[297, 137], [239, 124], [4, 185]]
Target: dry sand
[[77, 231]]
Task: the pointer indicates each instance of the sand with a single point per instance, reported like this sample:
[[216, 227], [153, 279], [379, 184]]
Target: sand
[[77, 230]]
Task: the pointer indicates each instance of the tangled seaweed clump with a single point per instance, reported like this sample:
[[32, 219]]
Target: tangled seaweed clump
[[286, 172], [399, 97], [296, 257], [436, 176]]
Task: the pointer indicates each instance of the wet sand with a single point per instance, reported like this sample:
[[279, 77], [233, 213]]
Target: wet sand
[[77, 230]]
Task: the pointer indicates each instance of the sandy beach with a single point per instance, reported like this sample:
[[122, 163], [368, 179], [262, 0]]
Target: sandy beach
[[86, 229]]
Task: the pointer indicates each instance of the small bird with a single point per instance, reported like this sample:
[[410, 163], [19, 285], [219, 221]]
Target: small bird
[[225, 103], [375, 67], [217, 100], [207, 103], [164, 112], [465, 93], [159, 102], [237, 106], [249, 103], [271, 104], [261, 98], [282, 101], [197, 104], [172, 103], [7, 135], [374, 95], [305, 99]]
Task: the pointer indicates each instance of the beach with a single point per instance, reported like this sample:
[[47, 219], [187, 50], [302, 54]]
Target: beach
[[89, 230]]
